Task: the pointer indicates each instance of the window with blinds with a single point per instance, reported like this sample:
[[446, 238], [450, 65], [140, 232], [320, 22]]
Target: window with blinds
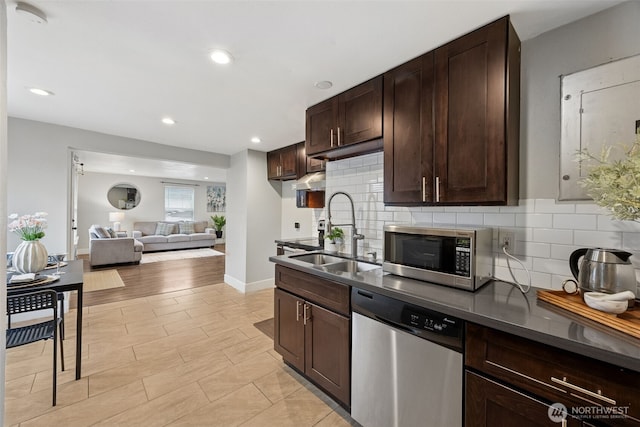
[[178, 203]]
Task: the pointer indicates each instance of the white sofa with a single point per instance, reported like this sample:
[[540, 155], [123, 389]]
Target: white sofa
[[164, 235], [105, 249]]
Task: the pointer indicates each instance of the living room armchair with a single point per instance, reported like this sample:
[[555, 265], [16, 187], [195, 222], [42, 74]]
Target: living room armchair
[[106, 250]]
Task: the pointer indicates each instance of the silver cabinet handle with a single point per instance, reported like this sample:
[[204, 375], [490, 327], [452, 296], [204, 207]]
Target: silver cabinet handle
[[424, 188], [590, 393], [338, 136], [298, 304], [305, 317], [437, 189], [331, 137]]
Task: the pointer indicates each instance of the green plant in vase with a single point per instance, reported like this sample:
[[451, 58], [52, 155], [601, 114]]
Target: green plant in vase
[[336, 239], [219, 221]]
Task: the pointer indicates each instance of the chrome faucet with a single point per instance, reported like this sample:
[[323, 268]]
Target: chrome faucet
[[354, 234]]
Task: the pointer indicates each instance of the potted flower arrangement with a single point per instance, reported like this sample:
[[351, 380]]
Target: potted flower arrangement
[[30, 256], [336, 240], [219, 221], [614, 184]]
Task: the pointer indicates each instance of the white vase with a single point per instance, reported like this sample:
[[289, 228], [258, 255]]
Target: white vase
[[30, 257]]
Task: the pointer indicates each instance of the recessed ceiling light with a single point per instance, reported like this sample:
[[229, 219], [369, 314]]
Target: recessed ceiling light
[[206, 177], [41, 92], [324, 84], [32, 13], [256, 140], [220, 56], [132, 170], [168, 121]]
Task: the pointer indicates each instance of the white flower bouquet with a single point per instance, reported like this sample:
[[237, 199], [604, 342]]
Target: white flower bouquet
[[28, 227]]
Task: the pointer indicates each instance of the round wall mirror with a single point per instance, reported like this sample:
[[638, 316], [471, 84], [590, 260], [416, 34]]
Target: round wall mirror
[[124, 196]]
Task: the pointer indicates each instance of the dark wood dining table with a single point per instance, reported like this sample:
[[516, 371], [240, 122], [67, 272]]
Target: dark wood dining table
[[71, 280]]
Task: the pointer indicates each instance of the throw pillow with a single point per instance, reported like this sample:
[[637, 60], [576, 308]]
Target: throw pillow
[[99, 231], [112, 233], [187, 228], [164, 228]]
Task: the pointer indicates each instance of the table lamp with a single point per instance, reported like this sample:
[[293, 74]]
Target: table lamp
[[115, 218]]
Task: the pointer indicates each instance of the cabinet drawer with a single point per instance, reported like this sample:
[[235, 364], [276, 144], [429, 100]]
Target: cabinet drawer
[[557, 375], [332, 295]]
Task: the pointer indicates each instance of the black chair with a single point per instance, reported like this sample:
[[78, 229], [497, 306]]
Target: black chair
[[48, 329]]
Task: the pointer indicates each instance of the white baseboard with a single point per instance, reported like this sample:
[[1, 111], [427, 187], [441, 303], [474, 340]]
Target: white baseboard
[[248, 287]]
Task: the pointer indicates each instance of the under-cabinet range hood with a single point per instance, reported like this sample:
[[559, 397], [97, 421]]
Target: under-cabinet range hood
[[311, 182]]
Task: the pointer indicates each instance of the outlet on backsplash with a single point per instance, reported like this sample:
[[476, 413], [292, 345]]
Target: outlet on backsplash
[[507, 240]]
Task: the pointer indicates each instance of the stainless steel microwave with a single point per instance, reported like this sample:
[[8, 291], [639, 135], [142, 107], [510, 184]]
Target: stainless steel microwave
[[458, 256]]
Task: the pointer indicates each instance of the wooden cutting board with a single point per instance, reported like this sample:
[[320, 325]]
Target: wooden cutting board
[[627, 322]]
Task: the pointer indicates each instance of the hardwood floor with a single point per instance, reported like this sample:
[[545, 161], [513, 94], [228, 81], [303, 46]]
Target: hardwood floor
[[189, 357], [159, 277]]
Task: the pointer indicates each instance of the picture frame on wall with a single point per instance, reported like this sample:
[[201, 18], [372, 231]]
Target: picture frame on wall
[[217, 198]]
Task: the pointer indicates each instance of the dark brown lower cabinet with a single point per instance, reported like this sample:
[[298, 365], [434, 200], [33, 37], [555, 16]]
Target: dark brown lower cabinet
[[489, 403], [315, 341], [512, 381]]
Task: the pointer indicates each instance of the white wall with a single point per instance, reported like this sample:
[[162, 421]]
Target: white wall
[[594, 40], [292, 214], [94, 208], [253, 222], [3, 189], [39, 169]]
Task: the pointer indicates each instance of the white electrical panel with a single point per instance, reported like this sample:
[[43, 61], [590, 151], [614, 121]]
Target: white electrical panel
[[599, 106]]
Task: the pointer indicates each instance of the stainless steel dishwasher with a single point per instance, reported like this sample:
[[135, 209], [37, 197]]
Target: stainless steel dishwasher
[[407, 364]]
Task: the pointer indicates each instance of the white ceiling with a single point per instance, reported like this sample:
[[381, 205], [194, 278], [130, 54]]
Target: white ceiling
[[118, 67]]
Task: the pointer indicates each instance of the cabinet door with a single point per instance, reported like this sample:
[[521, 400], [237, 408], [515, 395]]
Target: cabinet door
[[321, 126], [327, 351], [315, 165], [288, 336], [489, 404], [408, 132], [360, 113], [288, 162], [273, 164], [471, 106]]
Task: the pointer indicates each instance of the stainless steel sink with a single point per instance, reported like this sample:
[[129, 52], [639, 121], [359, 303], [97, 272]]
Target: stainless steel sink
[[317, 259], [334, 264], [349, 266]]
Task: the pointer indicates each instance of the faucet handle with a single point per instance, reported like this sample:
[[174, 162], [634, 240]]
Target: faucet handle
[[373, 254]]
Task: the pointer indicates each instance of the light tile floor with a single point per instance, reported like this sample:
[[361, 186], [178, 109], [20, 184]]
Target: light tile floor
[[187, 358]]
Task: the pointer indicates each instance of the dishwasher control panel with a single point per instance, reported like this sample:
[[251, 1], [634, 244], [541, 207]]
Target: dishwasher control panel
[[431, 322]]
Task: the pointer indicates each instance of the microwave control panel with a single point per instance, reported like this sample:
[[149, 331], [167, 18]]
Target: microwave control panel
[[463, 256]]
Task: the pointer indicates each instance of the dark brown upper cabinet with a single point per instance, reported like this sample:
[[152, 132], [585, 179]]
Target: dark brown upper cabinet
[[352, 117], [308, 164], [282, 164], [464, 149], [408, 132]]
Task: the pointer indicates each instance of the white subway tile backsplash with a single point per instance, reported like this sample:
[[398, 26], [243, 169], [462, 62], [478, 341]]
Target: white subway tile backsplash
[[607, 223], [562, 251], [534, 220], [602, 239], [574, 221], [444, 217], [550, 206], [533, 249], [500, 219], [546, 232], [549, 235], [470, 218], [553, 266]]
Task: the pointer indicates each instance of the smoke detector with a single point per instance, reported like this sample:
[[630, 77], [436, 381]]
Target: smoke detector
[[31, 12]]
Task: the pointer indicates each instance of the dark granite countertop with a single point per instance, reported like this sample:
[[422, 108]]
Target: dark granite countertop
[[306, 243], [496, 305]]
